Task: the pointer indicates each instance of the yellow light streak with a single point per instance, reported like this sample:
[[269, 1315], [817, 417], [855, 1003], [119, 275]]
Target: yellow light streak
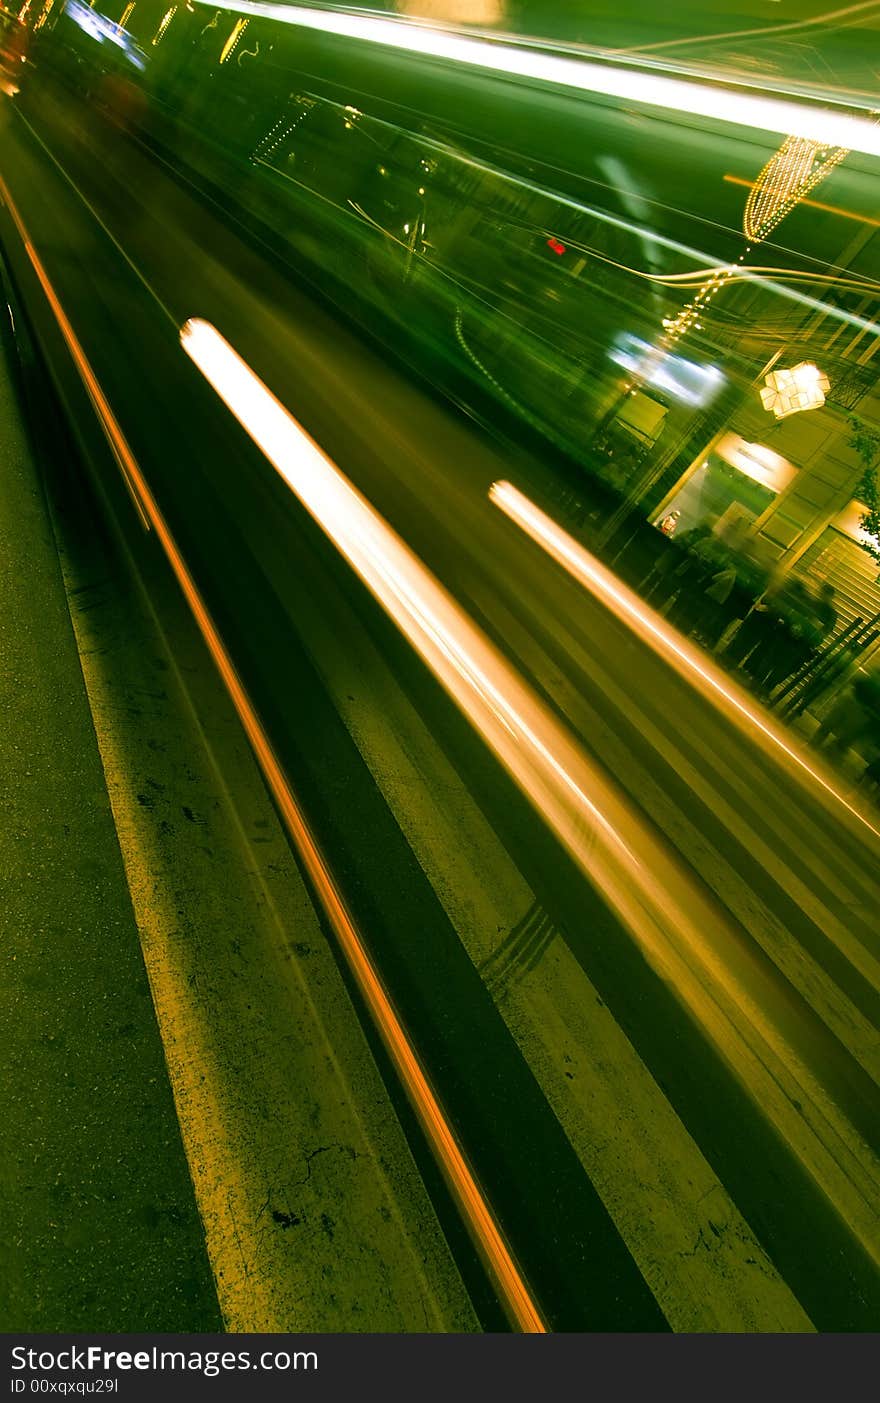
[[166, 20], [749, 272], [812, 204], [653, 629], [678, 927], [428, 616], [126, 14], [237, 30], [44, 15]]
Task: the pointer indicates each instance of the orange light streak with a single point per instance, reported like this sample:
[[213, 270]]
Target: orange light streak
[[687, 660], [813, 204], [115, 437], [513, 1290]]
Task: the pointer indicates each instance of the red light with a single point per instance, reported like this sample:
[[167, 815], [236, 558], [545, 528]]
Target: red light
[[556, 246]]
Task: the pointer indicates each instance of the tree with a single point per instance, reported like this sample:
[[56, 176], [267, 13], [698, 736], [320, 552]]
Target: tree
[[866, 442]]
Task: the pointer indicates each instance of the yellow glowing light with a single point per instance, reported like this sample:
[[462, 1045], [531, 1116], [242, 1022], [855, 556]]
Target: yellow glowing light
[[454, 11], [166, 20], [792, 172], [44, 15], [797, 168], [791, 391], [237, 30], [126, 14]]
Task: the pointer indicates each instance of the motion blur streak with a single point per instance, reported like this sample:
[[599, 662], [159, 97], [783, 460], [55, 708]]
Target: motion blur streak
[[115, 437], [652, 629], [471, 670], [513, 1291], [811, 204], [675, 924], [813, 22], [647, 235], [650, 89]]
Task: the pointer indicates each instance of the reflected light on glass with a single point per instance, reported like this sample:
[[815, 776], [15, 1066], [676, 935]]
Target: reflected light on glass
[[683, 380], [784, 116], [99, 28]]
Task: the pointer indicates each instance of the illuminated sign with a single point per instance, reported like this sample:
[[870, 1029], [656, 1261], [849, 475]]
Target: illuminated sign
[[757, 461]]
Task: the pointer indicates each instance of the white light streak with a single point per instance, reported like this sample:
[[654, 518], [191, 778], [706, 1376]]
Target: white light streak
[[783, 116]]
